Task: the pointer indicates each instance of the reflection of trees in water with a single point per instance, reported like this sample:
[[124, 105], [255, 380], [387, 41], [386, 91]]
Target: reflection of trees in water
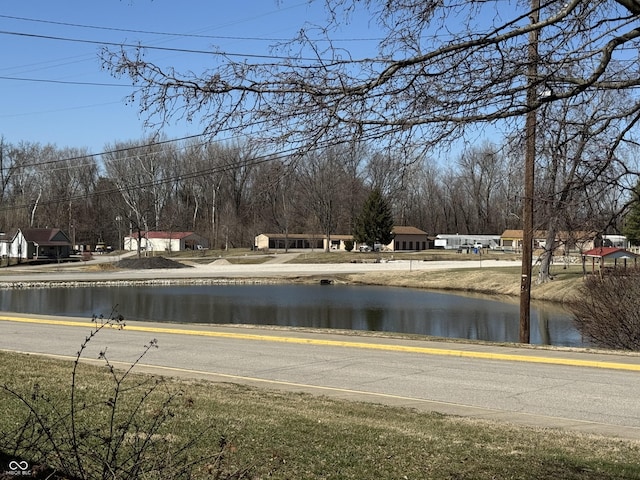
[[334, 307], [543, 327], [375, 319]]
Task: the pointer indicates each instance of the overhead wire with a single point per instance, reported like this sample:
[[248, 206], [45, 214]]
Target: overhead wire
[[52, 164], [257, 160], [175, 34], [65, 82], [179, 50]]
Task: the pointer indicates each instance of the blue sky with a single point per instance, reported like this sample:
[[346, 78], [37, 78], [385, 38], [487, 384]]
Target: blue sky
[[39, 106]]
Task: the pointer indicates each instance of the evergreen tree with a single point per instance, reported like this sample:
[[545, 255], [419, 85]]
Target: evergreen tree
[[375, 222], [632, 221]]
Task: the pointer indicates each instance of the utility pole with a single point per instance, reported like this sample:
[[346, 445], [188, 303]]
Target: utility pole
[[529, 176]]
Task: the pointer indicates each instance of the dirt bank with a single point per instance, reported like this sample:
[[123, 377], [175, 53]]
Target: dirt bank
[[496, 282]]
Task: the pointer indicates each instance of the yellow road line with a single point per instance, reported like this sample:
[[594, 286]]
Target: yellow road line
[[347, 344], [432, 405]]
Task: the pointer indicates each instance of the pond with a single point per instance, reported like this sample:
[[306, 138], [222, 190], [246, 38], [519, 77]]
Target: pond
[[381, 309]]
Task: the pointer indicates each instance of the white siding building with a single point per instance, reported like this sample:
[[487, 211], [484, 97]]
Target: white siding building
[[165, 241]]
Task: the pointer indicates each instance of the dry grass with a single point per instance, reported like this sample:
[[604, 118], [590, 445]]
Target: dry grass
[[426, 256], [289, 435], [487, 281]]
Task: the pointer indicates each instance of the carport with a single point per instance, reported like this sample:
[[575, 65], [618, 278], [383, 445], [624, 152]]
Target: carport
[[610, 258]]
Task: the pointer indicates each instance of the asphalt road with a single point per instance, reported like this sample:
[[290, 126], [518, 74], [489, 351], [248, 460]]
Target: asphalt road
[[557, 388]]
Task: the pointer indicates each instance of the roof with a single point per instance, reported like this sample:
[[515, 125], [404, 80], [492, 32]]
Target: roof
[[404, 230], [562, 236], [163, 235], [46, 236], [612, 252], [512, 234], [519, 234], [305, 236]]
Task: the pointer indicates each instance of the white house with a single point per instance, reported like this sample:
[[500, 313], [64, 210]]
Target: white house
[[35, 243], [166, 241]]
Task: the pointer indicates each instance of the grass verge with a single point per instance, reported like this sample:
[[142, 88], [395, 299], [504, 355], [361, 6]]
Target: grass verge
[[288, 435], [502, 281]]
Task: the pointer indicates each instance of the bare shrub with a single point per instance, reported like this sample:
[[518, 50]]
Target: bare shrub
[[607, 312], [127, 429]]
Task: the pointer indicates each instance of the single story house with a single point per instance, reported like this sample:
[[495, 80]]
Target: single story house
[[405, 238], [564, 241], [610, 257], [165, 241], [512, 239], [35, 243], [408, 239], [300, 241]]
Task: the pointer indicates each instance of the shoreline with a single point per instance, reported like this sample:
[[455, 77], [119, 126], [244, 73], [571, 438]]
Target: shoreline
[[489, 278], [495, 285]]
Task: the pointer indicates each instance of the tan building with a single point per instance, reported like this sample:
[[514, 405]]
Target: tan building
[[563, 243], [299, 241], [408, 239], [405, 239], [511, 240]]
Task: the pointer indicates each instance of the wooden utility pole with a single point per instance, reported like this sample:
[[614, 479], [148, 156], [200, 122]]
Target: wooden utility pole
[[529, 176]]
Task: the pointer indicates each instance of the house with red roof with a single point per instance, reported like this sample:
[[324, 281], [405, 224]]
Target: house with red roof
[[165, 241]]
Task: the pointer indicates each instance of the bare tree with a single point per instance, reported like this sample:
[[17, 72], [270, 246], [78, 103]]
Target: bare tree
[[67, 177], [133, 168], [389, 171], [323, 179], [481, 173], [440, 67], [236, 164], [423, 84], [576, 171], [426, 199], [277, 198], [10, 166], [203, 176], [26, 184]]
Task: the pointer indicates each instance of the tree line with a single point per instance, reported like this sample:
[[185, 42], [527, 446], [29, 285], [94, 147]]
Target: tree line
[[230, 192], [323, 130]]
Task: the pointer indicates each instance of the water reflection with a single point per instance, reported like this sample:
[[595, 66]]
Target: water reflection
[[337, 307]]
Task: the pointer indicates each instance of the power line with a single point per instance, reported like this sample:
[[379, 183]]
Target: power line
[[170, 49], [65, 82], [173, 34], [94, 155], [258, 160], [42, 112]]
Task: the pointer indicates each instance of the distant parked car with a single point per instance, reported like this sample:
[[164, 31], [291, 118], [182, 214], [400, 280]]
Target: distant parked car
[[377, 247]]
